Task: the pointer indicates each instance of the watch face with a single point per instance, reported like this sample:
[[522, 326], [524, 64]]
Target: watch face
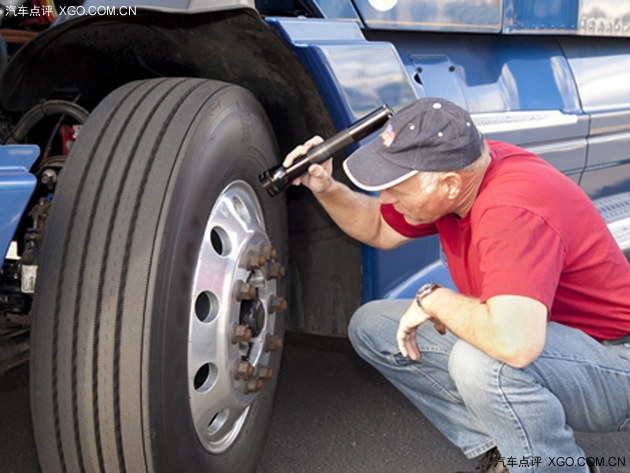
[[425, 290]]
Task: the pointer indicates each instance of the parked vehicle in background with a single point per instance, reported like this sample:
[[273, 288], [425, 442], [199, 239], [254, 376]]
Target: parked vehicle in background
[[145, 264]]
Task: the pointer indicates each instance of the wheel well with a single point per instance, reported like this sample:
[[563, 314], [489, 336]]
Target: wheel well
[[90, 56], [93, 55]]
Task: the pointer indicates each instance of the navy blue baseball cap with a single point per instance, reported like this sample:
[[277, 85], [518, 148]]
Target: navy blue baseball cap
[[430, 134]]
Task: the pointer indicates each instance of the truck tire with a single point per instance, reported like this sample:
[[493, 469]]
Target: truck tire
[[157, 318]]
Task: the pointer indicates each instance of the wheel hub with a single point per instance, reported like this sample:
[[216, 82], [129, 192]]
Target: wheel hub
[[253, 315], [234, 309]]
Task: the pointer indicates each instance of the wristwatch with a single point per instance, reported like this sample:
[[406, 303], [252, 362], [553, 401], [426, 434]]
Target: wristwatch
[[424, 291]]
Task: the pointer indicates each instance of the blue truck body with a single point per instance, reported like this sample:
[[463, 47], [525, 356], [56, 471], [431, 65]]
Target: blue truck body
[[16, 187]]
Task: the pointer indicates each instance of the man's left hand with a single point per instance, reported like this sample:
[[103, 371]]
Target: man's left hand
[[408, 329]]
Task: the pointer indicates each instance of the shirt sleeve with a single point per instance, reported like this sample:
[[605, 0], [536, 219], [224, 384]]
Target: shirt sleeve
[[397, 221], [520, 254]]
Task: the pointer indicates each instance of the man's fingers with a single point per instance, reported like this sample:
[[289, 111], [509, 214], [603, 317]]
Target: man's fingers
[[298, 151], [315, 170], [408, 345], [314, 141], [301, 150]]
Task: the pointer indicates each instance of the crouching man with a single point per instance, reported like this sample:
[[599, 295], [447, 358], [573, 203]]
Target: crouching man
[[536, 341]]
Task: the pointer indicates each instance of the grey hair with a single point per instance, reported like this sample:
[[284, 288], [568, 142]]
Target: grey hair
[[429, 180]]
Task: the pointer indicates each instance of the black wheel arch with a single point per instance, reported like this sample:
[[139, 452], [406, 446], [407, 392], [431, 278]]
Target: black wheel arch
[[92, 55]]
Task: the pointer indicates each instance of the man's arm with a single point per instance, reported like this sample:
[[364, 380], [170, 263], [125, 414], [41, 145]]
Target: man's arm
[[357, 214], [508, 328]]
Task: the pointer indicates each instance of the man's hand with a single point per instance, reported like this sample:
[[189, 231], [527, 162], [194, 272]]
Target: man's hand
[[318, 178], [408, 329]]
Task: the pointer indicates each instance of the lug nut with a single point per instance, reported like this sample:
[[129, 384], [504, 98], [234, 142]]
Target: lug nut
[[272, 343], [244, 370], [277, 304], [242, 333], [265, 373], [276, 270], [255, 261], [253, 386], [244, 291], [269, 253]]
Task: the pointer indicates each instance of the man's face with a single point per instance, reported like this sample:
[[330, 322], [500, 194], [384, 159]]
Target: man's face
[[417, 206]]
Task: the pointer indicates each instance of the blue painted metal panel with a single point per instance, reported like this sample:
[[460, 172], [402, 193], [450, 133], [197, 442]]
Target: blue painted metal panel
[[16, 188], [601, 67], [400, 272], [488, 73], [337, 9], [354, 75]]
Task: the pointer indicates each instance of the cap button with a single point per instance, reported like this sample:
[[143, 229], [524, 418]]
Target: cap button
[[437, 105]]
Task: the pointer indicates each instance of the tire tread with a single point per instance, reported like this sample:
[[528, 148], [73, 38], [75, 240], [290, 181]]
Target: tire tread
[[151, 94]]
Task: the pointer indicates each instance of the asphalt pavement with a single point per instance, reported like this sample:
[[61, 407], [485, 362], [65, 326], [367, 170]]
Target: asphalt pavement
[[333, 414]]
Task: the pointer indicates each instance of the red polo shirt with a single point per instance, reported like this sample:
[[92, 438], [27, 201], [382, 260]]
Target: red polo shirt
[[533, 232]]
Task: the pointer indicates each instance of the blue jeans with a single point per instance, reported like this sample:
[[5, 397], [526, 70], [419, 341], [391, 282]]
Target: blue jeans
[[478, 402]]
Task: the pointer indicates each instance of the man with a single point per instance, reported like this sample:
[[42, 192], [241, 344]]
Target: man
[[535, 343]]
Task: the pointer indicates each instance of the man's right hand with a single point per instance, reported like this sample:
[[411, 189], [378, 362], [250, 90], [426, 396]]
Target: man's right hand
[[318, 178]]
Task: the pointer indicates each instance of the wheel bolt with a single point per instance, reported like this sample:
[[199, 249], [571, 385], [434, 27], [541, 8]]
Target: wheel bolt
[[242, 333], [49, 177], [277, 304], [244, 291], [276, 270], [255, 261], [265, 373], [272, 343], [269, 253], [253, 386], [244, 370]]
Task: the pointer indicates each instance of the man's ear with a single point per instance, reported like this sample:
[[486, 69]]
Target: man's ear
[[451, 183]]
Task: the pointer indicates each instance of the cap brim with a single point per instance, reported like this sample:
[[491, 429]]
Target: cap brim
[[371, 172]]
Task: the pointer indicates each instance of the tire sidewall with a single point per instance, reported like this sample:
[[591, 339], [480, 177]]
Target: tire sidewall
[[230, 140]]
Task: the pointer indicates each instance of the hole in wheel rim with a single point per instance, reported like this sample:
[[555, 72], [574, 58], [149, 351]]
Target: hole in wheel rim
[[205, 377], [206, 306], [220, 241], [217, 421]]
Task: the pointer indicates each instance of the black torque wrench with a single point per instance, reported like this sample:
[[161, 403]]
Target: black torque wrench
[[278, 178]]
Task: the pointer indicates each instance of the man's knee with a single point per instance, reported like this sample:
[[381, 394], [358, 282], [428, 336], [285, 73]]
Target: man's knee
[[374, 324], [471, 369], [362, 324]]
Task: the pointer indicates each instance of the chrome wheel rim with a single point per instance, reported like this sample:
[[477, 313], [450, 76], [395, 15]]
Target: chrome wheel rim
[[233, 292]]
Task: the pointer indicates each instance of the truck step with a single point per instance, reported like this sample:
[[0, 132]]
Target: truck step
[[616, 212]]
